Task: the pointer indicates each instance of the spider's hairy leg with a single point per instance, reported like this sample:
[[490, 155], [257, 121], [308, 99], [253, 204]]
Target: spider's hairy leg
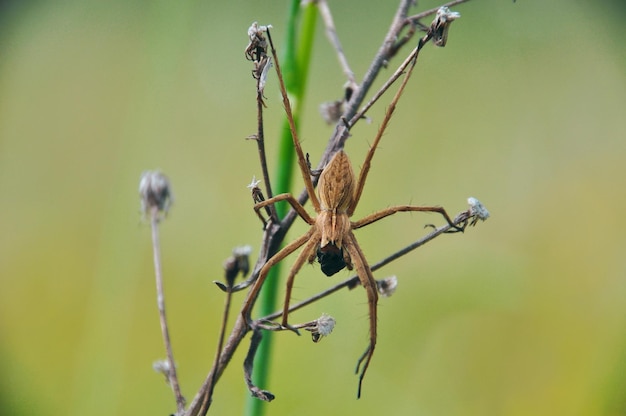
[[258, 283], [302, 160], [307, 252], [257, 208], [292, 201], [403, 208], [370, 154], [369, 283]]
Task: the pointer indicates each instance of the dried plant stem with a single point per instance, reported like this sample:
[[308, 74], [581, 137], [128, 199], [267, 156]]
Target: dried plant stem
[[299, 45], [353, 281], [208, 398], [430, 12], [173, 378], [260, 139], [331, 33], [408, 61]]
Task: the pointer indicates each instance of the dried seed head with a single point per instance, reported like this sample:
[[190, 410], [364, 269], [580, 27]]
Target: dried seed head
[[237, 263], [163, 367], [254, 184], [242, 255], [387, 286], [321, 327], [332, 111], [441, 24], [257, 194], [257, 46], [155, 193], [477, 210]]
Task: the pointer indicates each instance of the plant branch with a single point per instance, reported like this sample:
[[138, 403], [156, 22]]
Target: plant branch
[[430, 12], [461, 221], [331, 33], [172, 376], [260, 139]]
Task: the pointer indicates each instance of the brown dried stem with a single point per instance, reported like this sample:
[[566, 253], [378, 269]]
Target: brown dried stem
[[331, 33], [461, 221], [172, 376]]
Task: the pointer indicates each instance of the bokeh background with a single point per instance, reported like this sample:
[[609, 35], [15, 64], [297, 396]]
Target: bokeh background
[[525, 109]]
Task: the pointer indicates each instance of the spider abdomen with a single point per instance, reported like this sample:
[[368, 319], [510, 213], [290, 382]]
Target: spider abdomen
[[331, 259]]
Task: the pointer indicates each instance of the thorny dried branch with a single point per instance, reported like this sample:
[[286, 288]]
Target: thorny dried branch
[[400, 33]]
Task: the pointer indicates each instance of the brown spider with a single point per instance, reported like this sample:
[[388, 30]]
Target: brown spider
[[331, 238]]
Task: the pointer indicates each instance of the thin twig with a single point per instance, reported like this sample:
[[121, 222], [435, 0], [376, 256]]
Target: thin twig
[[248, 364], [331, 33], [432, 11], [384, 88], [260, 140], [256, 51], [410, 60], [173, 378], [272, 235], [460, 220], [220, 345]]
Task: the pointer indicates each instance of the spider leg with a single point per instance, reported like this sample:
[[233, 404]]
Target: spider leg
[[367, 281], [403, 208], [302, 160], [309, 248], [284, 252], [284, 197], [370, 154]]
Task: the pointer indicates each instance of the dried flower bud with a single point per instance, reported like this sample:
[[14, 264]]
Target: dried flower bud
[[332, 111], [155, 192], [237, 263], [477, 210], [387, 286], [163, 367], [257, 46], [321, 327], [255, 182], [257, 194], [441, 24], [242, 255]]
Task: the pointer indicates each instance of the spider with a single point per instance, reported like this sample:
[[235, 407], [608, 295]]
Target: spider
[[330, 237]]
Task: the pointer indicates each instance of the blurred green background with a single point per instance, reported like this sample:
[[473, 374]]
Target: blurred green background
[[525, 109]]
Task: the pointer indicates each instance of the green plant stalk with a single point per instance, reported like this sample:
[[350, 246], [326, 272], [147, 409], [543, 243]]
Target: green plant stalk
[[295, 65]]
